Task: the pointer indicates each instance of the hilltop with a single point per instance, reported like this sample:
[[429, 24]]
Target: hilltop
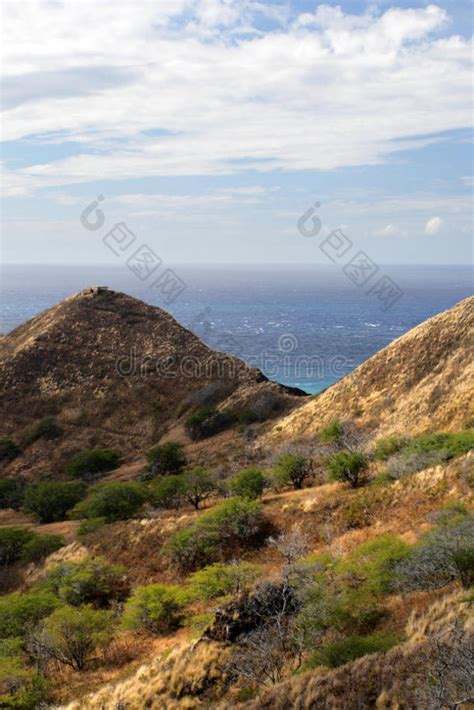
[[422, 381], [115, 371]]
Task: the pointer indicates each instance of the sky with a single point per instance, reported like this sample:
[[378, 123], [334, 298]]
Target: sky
[[209, 127]]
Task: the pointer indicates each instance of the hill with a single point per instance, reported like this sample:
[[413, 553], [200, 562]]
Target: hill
[[422, 381], [117, 372]]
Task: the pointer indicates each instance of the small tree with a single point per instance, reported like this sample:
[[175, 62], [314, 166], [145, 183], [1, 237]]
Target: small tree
[[249, 483], [154, 608], [9, 449], [220, 579], [72, 636], [166, 491], [293, 469], [347, 466], [40, 547], [168, 458], [208, 421], [51, 500], [112, 502], [11, 492], [12, 542], [88, 464], [47, 428], [198, 485], [92, 581], [331, 432]]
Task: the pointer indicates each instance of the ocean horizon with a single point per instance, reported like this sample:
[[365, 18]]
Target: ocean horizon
[[304, 326]]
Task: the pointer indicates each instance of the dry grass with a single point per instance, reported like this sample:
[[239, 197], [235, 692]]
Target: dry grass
[[423, 381]]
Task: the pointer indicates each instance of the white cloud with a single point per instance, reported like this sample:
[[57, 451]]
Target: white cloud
[[433, 226], [321, 92], [390, 230]]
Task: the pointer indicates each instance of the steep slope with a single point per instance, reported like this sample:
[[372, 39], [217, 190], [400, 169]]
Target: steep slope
[[422, 381], [114, 371]]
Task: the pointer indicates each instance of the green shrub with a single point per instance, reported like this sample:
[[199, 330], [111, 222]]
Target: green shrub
[[442, 556], [331, 432], [21, 687], [11, 493], [112, 502], [73, 636], [21, 612], [218, 533], [246, 416], [40, 547], [12, 542], [9, 450], [198, 485], [293, 469], [90, 525], [89, 463], [92, 581], [347, 466], [455, 444], [389, 446], [166, 491], [346, 594], [207, 421], [428, 450], [249, 483], [374, 562], [164, 459], [50, 501], [220, 579], [46, 428], [337, 653], [154, 608]]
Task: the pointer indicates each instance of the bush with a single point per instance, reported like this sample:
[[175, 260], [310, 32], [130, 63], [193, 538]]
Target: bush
[[374, 562], [46, 428], [11, 493], [72, 636], [404, 464], [21, 687], [216, 535], [249, 483], [93, 581], [346, 594], [112, 502], [385, 448], [12, 542], [337, 653], [347, 466], [9, 450], [166, 458], [40, 547], [90, 525], [166, 491], [154, 608], [455, 444], [428, 450], [443, 555], [331, 432], [198, 485], [207, 421], [293, 469], [21, 612], [91, 462], [51, 500], [220, 579]]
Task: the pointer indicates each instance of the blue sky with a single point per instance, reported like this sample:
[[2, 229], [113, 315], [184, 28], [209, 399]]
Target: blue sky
[[210, 126]]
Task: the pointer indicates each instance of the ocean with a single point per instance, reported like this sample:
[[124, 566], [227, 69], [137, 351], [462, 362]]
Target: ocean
[[305, 326]]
